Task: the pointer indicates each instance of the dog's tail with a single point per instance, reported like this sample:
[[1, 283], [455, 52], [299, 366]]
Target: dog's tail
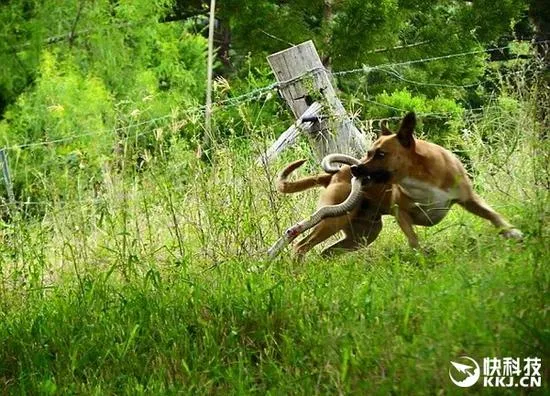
[[286, 187]]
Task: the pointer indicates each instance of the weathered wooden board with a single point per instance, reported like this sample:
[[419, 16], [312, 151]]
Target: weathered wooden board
[[304, 80], [289, 136]]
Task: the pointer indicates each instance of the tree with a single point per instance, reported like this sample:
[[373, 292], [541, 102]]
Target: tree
[[119, 67]]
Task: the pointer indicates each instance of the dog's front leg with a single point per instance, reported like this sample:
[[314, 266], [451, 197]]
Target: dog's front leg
[[403, 217], [405, 222]]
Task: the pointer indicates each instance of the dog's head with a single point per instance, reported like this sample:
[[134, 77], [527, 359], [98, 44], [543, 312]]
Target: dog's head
[[391, 154]]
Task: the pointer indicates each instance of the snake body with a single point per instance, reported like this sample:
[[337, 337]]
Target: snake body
[[329, 162], [326, 211]]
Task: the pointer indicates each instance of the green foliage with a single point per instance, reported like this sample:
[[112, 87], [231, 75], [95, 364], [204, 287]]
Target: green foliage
[[62, 105], [161, 285], [241, 105], [335, 327], [348, 32], [440, 119], [61, 99], [126, 69], [379, 23], [139, 267]]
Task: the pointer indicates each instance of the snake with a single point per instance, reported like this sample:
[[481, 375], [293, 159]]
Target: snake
[[328, 164]]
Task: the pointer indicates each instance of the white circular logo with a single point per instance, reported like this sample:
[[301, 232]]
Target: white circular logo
[[469, 371]]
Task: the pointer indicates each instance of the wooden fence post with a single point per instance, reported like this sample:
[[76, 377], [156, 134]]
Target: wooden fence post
[[303, 80]]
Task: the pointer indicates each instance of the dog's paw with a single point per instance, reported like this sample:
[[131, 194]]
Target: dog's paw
[[512, 233]]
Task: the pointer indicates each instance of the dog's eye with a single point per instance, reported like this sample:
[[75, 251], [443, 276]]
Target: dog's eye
[[379, 154]]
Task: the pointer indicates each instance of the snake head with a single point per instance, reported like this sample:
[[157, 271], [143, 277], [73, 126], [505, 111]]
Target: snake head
[[293, 232]]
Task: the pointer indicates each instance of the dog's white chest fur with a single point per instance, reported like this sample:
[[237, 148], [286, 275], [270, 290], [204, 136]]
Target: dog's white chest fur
[[430, 204], [424, 193]]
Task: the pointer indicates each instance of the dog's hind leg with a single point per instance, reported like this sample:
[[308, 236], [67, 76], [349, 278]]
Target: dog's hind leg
[[322, 231], [347, 244], [477, 206], [361, 233]]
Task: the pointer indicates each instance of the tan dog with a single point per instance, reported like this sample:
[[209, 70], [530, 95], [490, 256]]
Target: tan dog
[[414, 180]]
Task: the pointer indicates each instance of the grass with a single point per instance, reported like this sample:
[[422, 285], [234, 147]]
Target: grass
[[362, 324], [160, 285]]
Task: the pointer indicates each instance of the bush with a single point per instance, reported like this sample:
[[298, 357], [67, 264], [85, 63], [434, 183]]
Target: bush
[[66, 107], [123, 95], [439, 119]]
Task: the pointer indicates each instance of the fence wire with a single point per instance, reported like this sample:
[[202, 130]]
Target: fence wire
[[257, 93]]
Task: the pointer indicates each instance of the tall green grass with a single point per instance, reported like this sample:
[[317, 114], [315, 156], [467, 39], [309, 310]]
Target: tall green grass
[[158, 282]]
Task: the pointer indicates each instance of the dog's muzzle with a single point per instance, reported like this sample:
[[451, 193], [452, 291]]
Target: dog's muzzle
[[371, 175]]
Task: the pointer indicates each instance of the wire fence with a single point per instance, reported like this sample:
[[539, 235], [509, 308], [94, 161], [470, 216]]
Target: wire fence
[[390, 69], [399, 76], [63, 206], [255, 94], [366, 69]]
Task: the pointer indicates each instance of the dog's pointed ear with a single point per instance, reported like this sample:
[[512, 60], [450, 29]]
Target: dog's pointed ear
[[384, 130], [406, 130]]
